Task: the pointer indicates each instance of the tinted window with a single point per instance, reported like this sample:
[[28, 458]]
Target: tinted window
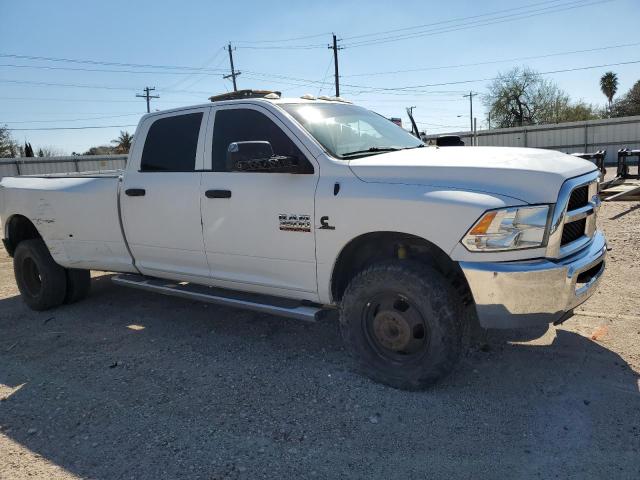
[[171, 144], [241, 125]]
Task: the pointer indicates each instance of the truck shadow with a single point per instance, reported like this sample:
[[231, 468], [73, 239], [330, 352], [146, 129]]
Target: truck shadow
[[129, 384]]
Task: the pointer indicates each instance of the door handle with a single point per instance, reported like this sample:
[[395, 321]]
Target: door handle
[[135, 192], [218, 193]]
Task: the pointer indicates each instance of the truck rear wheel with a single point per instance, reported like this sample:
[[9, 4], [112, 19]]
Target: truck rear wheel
[[402, 323], [41, 281], [78, 284]]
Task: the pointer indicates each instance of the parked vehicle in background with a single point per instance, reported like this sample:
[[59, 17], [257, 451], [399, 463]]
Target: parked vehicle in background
[[295, 206]]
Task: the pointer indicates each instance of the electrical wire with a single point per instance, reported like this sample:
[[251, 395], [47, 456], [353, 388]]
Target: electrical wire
[[452, 20], [70, 128], [478, 23], [491, 62]]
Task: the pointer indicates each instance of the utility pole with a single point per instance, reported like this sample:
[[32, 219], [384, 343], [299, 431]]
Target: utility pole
[[335, 49], [233, 73], [475, 131], [148, 96], [414, 127], [471, 95]]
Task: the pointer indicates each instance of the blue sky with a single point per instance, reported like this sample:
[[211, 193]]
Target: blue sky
[[193, 34]]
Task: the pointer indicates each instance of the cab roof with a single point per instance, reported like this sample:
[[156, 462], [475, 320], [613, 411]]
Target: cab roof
[[256, 96]]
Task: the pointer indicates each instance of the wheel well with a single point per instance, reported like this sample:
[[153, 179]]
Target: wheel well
[[19, 228], [378, 246]]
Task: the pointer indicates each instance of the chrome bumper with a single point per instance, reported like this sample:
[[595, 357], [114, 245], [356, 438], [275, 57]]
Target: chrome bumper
[[535, 292]]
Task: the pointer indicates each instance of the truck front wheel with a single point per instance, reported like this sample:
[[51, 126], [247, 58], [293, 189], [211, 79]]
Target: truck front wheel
[[41, 281], [402, 323]]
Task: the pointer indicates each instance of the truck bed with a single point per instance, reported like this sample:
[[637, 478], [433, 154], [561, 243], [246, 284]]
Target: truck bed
[[77, 215]]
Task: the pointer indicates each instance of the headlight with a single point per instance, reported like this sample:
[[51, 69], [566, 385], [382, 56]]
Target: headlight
[[508, 229]]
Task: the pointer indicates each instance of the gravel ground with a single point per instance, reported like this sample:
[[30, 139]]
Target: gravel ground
[[139, 386]]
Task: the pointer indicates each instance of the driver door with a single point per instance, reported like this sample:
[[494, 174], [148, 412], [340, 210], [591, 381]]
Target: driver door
[[247, 217]]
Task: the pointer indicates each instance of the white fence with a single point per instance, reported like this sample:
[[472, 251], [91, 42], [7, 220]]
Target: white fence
[[10, 167], [608, 134]]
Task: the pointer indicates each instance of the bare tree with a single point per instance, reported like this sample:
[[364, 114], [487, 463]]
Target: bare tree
[[8, 146], [523, 97]]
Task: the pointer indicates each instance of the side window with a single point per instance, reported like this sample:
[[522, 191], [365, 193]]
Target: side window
[[242, 125], [171, 144]]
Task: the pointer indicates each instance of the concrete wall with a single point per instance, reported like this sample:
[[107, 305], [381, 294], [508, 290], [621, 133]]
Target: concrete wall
[[10, 167], [608, 134]]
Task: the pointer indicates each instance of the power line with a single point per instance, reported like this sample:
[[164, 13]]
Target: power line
[[72, 119], [102, 70], [324, 77], [565, 70], [364, 88], [71, 128], [284, 40], [82, 100], [216, 71], [452, 20], [490, 62], [282, 47], [476, 24], [98, 62]]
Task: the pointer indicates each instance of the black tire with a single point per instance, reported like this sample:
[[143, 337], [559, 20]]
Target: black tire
[[402, 322], [78, 285], [41, 281]]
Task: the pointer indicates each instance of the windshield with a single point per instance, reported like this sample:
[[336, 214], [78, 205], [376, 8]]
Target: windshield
[[347, 130]]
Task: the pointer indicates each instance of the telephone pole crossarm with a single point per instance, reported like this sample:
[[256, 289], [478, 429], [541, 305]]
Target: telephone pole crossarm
[[147, 95]]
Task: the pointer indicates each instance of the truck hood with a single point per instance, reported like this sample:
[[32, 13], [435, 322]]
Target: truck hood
[[526, 174]]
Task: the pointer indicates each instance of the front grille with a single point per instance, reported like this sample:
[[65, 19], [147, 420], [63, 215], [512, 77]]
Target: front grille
[[573, 231], [579, 198]]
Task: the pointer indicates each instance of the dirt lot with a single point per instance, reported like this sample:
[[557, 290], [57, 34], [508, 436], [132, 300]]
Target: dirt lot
[[139, 386]]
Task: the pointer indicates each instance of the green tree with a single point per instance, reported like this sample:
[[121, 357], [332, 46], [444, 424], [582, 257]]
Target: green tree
[[123, 142], [628, 104], [609, 86]]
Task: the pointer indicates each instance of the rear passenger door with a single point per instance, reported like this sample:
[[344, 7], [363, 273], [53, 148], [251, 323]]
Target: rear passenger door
[[160, 197], [259, 236]]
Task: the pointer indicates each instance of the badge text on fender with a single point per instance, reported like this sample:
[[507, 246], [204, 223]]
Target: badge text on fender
[[294, 222]]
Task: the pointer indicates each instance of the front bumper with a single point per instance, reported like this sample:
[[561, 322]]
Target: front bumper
[[535, 292]]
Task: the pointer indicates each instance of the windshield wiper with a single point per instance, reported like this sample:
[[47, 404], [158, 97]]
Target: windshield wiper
[[371, 150]]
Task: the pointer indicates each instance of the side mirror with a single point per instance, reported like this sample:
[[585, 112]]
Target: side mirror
[[258, 156]]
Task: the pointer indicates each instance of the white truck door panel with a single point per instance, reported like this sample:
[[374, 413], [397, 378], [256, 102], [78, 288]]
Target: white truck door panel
[[262, 237], [161, 196]]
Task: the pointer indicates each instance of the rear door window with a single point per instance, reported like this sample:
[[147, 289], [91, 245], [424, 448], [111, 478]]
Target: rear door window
[[171, 144]]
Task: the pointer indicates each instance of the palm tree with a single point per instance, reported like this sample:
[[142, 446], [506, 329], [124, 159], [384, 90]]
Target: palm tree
[[609, 86], [123, 142]]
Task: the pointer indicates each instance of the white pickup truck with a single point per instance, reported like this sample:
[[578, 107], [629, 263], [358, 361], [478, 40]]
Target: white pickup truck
[[295, 206]]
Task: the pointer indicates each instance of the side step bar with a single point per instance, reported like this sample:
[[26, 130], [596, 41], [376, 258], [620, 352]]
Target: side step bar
[[229, 298]]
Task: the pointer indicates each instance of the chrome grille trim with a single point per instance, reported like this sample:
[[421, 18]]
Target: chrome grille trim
[[561, 216]]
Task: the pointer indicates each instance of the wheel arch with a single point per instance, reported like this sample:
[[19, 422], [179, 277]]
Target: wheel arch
[[17, 229], [372, 247]]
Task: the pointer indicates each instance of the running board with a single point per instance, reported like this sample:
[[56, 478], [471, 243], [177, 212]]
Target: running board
[[228, 298]]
